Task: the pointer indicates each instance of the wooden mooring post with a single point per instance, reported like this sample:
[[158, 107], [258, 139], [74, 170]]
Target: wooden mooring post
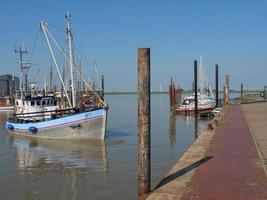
[[195, 87], [226, 90], [265, 93], [174, 96], [103, 86], [241, 94], [171, 94], [143, 98], [217, 85]]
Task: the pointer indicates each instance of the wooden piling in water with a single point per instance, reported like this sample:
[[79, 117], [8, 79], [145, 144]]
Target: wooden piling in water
[[195, 86], [241, 94], [174, 96], [264, 93], [217, 85], [171, 95], [102, 85], [178, 92], [143, 98], [226, 90]]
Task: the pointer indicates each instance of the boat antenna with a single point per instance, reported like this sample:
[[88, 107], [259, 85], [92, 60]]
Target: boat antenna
[[24, 68], [69, 34]]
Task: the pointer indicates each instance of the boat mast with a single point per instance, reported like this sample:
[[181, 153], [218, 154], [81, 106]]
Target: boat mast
[[69, 34]]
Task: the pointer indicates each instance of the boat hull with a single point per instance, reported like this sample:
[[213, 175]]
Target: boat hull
[[184, 110], [85, 125]]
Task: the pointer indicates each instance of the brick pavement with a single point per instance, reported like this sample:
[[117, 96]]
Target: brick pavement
[[256, 116], [235, 171]]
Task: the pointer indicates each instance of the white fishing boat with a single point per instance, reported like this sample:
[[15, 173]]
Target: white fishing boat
[[42, 116], [206, 101]]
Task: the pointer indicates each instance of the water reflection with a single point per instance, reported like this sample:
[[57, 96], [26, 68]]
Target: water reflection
[[32, 154], [41, 161], [197, 123], [172, 129], [196, 126]]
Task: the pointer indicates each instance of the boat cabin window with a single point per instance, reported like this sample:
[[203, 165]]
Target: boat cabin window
[[48, 102], [17, 103], [38, 103], [43, 103], [188, 101], [32, 103]]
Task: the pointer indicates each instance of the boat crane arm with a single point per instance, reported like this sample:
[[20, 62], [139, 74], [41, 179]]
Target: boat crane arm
[[77, 71], [44, 29]]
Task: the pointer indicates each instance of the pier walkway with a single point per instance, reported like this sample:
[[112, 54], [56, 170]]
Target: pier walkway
[[231, 168]]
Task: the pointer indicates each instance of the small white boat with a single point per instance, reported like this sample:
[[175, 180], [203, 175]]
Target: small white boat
[[206, 101], [205, 105]]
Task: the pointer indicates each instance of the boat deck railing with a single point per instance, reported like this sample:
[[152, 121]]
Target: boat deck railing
[[31, 117]]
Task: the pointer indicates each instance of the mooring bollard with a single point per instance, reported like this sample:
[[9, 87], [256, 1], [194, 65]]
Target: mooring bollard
[[143, 95]]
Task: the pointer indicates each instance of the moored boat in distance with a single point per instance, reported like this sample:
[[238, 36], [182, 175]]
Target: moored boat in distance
[[206, 101], [5, 104], [205, 104], [45, 116]]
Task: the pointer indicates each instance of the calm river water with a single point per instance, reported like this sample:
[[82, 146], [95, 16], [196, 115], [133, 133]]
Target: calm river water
[[47, 169]]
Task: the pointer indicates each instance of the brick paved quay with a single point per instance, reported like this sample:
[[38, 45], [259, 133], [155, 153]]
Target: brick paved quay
[[231, 168], [256, 116]]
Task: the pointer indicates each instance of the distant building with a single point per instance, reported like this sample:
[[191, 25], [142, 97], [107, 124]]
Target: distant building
[[8, 84]]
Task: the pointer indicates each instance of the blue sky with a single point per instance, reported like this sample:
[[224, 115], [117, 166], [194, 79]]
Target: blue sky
[[230, 33]]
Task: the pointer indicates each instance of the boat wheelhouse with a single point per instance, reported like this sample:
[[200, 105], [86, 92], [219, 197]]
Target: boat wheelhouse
[[37, 108]]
